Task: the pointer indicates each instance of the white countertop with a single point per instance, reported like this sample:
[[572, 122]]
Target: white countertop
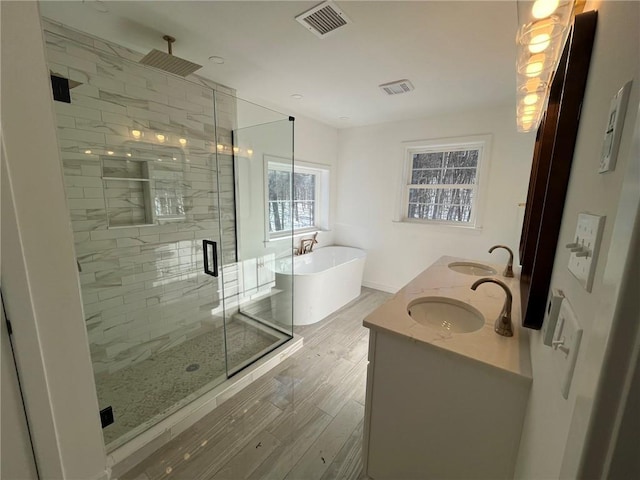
[[510, 354]]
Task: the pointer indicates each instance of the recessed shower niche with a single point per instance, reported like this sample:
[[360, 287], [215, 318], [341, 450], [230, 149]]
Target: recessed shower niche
[[142, 192]]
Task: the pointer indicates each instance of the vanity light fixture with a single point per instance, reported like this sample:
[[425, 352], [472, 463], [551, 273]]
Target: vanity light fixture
[[544, 25]]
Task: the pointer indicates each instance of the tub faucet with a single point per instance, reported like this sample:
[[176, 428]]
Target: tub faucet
[[508, 271], [306, 244], [503, 322]]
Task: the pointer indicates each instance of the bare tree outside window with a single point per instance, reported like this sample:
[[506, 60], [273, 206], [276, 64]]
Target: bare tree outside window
[[292, 200], [441, 185]]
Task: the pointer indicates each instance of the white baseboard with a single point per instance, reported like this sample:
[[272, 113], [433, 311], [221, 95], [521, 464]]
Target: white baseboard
[[380, 286], [106, 475]]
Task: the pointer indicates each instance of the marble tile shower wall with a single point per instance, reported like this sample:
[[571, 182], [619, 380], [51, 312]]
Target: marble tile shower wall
[[143, 287]]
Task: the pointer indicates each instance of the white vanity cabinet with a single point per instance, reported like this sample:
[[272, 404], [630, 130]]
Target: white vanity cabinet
[[443, 406], [430, 415]]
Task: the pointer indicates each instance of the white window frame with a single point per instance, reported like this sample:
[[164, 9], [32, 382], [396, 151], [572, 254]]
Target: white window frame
[[482, 143], [321, 200]]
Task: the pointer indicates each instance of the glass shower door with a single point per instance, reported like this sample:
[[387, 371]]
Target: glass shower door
[[257, 313], [141, 175]]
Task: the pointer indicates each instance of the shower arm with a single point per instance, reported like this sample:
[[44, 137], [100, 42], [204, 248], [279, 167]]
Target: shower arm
[[169, 39]]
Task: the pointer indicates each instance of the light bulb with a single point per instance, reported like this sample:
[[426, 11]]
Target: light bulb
[[220, 146], [544, 8], [128, 154], [249, 152], [535, 65], [109, 152], [530, 99], [526, 121], [136, 133], [160, 137], [183, 141], [540, 43], [88, 152]]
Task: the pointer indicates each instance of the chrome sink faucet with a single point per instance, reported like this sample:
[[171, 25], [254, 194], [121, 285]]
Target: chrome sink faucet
[[503, 324], [508, 271]]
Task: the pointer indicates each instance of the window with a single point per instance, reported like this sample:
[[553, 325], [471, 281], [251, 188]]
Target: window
[[442, 182], [296, 200]]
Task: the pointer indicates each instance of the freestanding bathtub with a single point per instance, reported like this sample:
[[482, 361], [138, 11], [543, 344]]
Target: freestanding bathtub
[[321, 281]]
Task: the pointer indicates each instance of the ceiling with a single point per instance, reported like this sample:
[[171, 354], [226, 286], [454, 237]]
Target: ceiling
[[458, 55]]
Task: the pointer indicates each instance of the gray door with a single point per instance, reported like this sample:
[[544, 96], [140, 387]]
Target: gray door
[[16, 453]]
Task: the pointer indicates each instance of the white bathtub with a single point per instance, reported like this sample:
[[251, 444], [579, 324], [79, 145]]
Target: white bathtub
[[323, 281]]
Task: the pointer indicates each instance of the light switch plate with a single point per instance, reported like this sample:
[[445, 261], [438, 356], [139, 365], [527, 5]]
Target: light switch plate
[[613, 131], [566, 344], [584, 248], [551, 315]]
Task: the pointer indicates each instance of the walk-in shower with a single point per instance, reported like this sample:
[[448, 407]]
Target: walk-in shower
[[166, 193]]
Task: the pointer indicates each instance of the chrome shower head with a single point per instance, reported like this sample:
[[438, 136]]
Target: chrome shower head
[[169, 62]]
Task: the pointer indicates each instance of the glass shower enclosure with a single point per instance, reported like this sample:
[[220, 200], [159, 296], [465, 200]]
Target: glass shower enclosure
[[166, 193]]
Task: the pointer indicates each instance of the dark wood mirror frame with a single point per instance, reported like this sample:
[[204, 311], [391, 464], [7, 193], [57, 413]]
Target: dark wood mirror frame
[[552, 157]]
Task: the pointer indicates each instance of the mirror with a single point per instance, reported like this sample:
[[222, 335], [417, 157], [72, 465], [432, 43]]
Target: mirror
[[551, 168]]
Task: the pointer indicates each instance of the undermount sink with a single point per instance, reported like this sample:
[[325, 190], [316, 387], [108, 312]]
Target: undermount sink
[[470, 268], [445, 313]]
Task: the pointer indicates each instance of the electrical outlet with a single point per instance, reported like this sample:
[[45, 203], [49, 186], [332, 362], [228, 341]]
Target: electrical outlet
[[584, 248], [566, 344], [551, 315]]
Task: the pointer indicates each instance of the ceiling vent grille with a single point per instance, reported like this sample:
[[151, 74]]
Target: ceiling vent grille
[[397, 87], [323, 19]]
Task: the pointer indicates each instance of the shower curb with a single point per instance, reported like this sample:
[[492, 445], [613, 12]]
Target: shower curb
[[127, 456]]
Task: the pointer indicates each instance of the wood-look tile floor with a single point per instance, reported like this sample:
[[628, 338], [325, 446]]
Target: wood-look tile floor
[[303, 420]]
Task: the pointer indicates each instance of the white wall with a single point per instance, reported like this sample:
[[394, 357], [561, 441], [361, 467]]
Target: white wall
[[369, 172], [555, 428], [39, 278], [316, 142]]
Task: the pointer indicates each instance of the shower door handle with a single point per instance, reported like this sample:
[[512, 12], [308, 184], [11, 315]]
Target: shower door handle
[[205, 249]]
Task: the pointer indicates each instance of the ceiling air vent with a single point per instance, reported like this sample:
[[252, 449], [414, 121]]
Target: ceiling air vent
[[323, 19], [397, 87]]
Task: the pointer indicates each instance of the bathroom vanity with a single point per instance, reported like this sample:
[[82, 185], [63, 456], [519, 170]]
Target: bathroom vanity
[[446, 395]]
